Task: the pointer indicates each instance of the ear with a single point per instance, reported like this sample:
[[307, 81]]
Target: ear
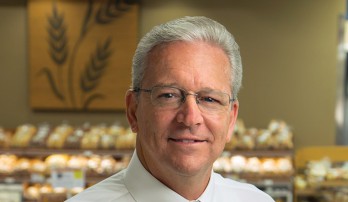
[[233, 119], [131, 107]]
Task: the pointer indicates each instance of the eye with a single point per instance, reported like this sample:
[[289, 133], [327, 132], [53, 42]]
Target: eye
[[165, 94], [210, 100]]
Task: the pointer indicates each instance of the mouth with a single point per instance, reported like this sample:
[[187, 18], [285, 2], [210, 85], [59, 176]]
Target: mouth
[[187, 141]]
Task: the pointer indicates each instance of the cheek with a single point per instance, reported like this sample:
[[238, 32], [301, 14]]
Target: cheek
[[152, 122], [219, 126]]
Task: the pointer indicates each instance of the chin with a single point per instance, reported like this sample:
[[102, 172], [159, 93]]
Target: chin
[[190, 166]]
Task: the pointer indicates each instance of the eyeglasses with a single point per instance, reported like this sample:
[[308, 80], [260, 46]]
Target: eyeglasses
[[170, 97]]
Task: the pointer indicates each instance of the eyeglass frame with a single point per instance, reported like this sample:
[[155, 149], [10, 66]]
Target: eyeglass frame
[[184, 93]]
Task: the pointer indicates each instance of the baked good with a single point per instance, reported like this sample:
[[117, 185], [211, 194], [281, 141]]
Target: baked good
[[57, 161], [253, 165], [238, 163], [73, 141], [58, 136], [77, 162], [126, 141], [39, 139], [23, 135]]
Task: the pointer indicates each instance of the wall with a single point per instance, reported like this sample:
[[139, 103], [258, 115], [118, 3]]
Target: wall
[[288, 50]]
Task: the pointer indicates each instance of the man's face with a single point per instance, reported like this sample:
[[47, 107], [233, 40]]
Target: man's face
[[184, 140]]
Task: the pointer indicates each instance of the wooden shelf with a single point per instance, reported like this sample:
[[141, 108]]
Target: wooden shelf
[[263, 179], [331, 184], [42, 152], [316, 189], [262, 152], [306, 192], [26, 177]]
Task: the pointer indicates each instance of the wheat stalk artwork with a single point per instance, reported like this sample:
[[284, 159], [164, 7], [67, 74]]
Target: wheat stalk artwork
[[84, 42]]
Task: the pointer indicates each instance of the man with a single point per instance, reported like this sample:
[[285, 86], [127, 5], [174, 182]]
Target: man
[[183, 107]]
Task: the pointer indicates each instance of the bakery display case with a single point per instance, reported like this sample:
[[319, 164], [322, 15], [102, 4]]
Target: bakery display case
[[263, 157], [321, 174], [32, 155], [41, 157]]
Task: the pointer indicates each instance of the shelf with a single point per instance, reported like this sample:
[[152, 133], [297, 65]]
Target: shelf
[[42, 152], [118, 153], [262, 152], [316, 189], [331, 184], [261, 180], [308, 192], [26, 177]]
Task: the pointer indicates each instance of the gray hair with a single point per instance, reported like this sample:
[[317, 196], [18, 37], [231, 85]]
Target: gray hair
[[189, 29]]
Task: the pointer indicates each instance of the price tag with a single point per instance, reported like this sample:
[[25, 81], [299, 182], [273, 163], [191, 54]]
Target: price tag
[[11, 192], [68, 178]]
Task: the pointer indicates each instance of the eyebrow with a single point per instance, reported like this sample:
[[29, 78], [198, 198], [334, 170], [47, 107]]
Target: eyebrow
[[167, 85], [173, 84]]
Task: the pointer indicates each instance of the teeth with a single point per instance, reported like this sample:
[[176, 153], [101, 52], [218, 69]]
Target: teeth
[[187, 141]]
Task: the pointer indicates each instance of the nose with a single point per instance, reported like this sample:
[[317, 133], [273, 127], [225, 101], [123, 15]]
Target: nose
[[189, 113]]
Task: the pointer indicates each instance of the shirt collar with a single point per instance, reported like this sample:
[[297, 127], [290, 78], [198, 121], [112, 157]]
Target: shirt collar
[[146, 188]]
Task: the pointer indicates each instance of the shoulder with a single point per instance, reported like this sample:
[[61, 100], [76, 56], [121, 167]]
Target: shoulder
[[108, 190], [243, 191]]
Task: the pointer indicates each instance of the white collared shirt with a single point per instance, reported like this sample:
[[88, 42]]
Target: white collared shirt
[[136, 184]]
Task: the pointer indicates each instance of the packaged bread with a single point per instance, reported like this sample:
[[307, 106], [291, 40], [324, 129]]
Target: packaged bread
[[247, 140], [39, 139], [58, 136], [282, 134], [73, 141], [116, 129], [265, 139], [90, 140], [107, 141], [23, 135]]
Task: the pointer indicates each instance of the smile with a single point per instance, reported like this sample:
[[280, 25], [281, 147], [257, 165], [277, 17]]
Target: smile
[[186, 140]]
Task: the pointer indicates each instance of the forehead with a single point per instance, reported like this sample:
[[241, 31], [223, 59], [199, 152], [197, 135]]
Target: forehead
[[189, 64]]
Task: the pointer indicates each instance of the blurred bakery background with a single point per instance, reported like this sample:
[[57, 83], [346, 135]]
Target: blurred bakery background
[[59, 135]]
